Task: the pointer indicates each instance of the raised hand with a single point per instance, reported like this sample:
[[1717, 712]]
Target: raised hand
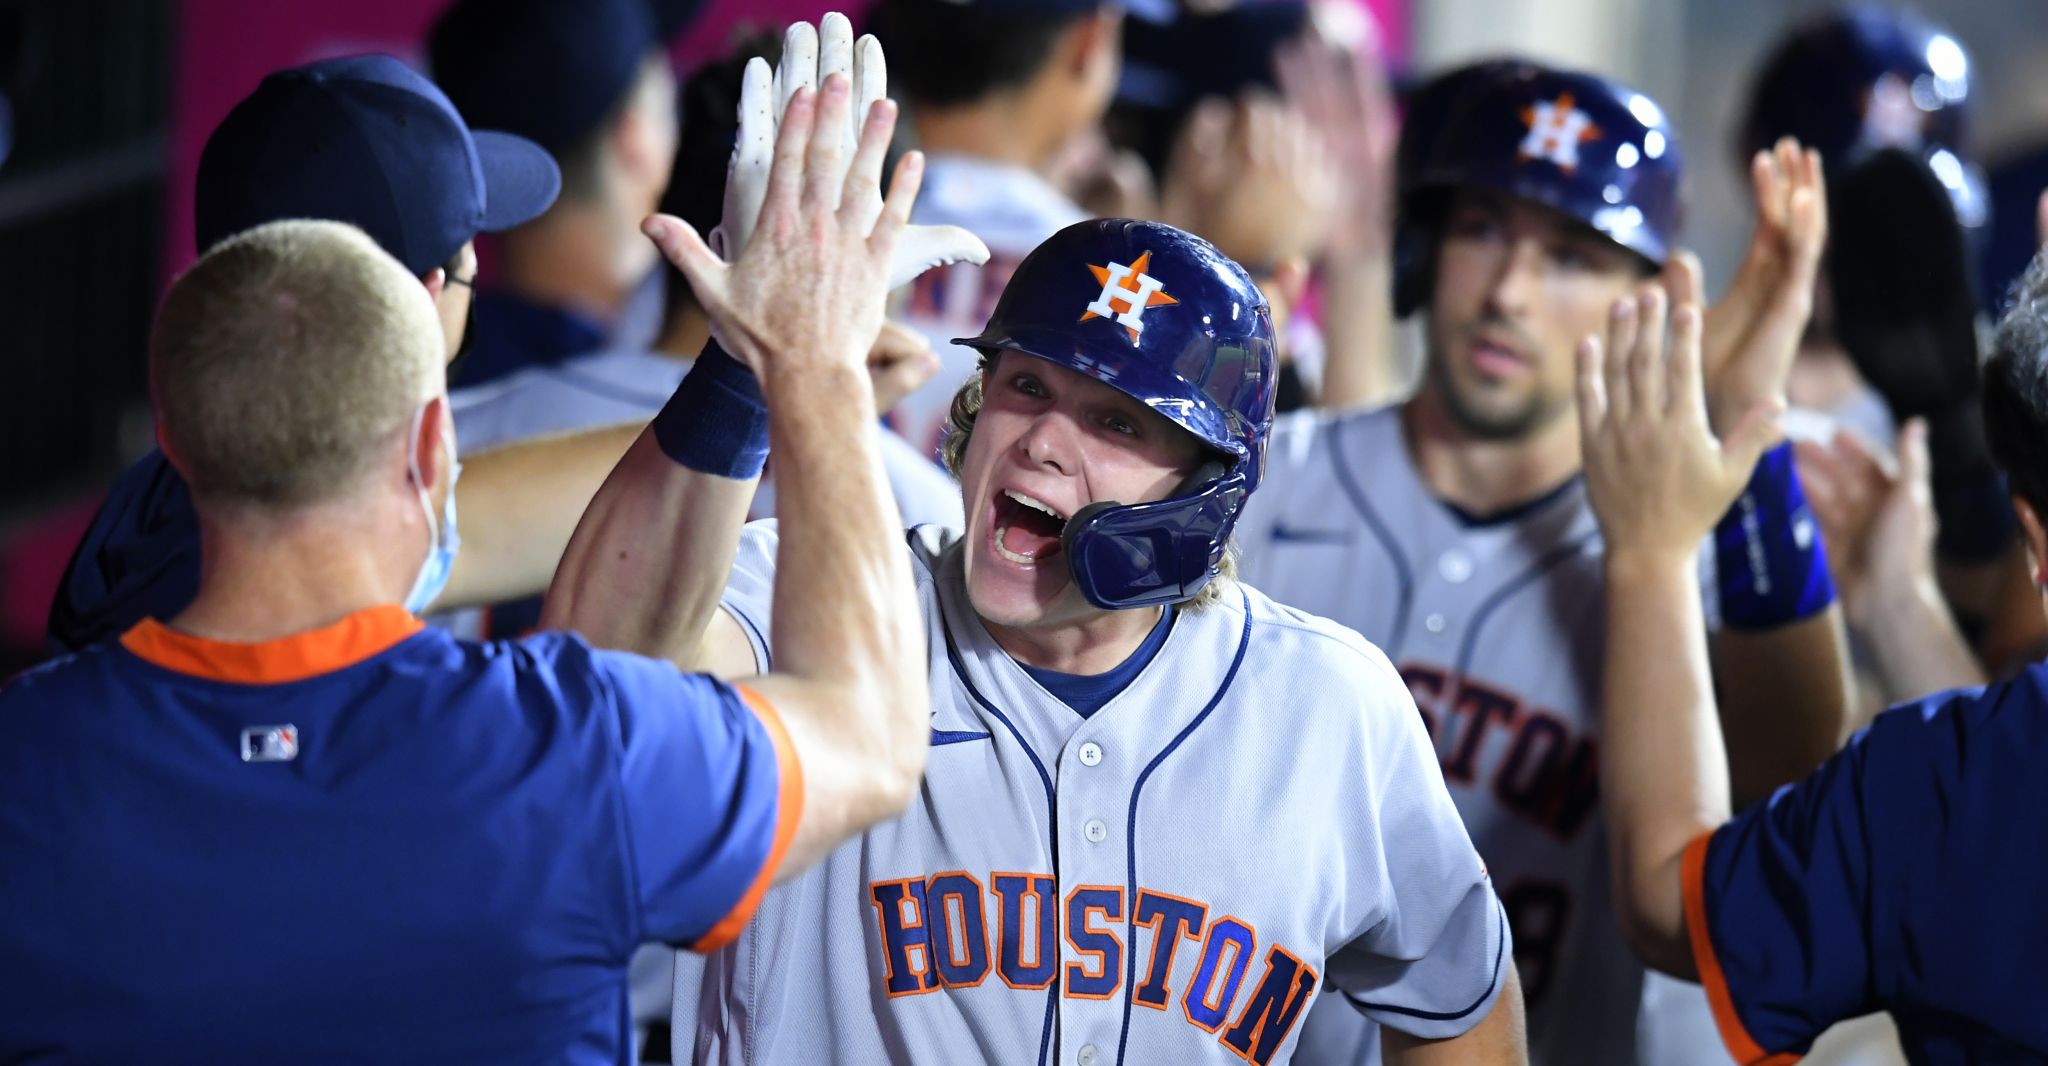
[[1876, 514], [808, 57], [1252, 178], [1341, 92], [1751, 334], [1657, 476], [808, 284]]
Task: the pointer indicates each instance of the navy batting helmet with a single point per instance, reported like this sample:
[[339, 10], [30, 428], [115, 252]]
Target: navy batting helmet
[[1592, 148], [1424, 108], [1861, 79], [1163, 317]]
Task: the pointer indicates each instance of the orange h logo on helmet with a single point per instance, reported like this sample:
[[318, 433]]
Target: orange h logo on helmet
[[1556, 129], [1131, 287]]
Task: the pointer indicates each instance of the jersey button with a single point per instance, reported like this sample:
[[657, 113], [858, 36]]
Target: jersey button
[[1455, 566], [1086, 1057], [1095, 831], [1434, 623], [1091, 754]]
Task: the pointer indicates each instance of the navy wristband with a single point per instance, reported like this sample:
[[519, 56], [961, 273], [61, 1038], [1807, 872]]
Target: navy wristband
[[717, 422], [1772, 567]]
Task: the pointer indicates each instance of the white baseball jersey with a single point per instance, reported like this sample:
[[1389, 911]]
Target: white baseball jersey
[[609, 388], [1498, 627], [1012, 210], [1171, 880]]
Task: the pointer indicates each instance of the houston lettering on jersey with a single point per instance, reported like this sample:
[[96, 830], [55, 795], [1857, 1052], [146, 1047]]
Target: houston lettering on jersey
[[953, 930], [1544, 772], [1538, 770]]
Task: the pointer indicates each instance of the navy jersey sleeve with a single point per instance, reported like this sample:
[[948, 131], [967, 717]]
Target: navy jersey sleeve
[[712, 792], [1864, 886]]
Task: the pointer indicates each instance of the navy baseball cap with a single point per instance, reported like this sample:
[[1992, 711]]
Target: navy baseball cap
[[367, 141], [548, 70]]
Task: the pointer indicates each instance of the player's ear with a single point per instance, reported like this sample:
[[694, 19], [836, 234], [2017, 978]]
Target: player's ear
[[2037, 541], [1092, 41]]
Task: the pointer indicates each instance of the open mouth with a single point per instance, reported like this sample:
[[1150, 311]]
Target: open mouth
[[1027, 530]]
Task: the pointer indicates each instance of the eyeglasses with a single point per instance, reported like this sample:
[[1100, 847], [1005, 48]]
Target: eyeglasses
[[467, 283]]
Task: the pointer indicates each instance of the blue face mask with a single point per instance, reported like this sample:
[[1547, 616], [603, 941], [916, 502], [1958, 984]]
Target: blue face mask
[[443, 541]]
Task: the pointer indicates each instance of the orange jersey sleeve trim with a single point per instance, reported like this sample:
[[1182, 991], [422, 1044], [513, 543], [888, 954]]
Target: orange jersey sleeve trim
[[1693, 874], [789, 806], [274, 662]]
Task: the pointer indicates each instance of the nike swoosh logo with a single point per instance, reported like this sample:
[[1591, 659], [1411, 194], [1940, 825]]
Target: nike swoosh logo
[[948, 736], [1290, 534]]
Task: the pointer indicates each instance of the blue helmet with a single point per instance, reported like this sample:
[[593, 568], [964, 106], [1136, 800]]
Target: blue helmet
[[1424, 106], [1160, 315], [1592, 148], [1857, 80]]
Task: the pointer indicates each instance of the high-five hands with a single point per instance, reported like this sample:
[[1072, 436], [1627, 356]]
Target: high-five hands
[[809, 56], [807, 285], [1658, 477]]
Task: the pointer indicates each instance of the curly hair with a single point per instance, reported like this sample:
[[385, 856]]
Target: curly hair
[[953, 452], [2015, 395]]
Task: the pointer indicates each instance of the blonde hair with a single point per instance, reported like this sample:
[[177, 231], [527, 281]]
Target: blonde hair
[[953, 453], [284, 359]]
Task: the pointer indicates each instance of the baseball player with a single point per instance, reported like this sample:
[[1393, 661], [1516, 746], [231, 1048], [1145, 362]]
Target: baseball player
[[1886, 96], [591, 82], [1087, 876], [1452, 530], [1089, 873], [1897, 877], [291, 824], [367, 141]]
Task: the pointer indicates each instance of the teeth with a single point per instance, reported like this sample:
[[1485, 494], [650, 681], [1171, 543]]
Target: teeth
[[1036, 505], [1007, 553]]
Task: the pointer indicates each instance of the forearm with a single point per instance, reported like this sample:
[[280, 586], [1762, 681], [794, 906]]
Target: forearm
[[1360, 365], [1662, 776], [844, 608], [650, 557], [1784, 694], [519, 505], [1915, 642], [1497, 1039]]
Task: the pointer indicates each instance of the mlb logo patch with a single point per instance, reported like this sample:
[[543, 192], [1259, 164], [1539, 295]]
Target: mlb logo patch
[[270, 743]]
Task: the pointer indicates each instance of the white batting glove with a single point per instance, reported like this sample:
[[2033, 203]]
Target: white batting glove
[[808, 57]]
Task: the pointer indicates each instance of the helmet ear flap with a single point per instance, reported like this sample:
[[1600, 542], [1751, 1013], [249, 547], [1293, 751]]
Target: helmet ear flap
[[1075, 525], [1208, 471]]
